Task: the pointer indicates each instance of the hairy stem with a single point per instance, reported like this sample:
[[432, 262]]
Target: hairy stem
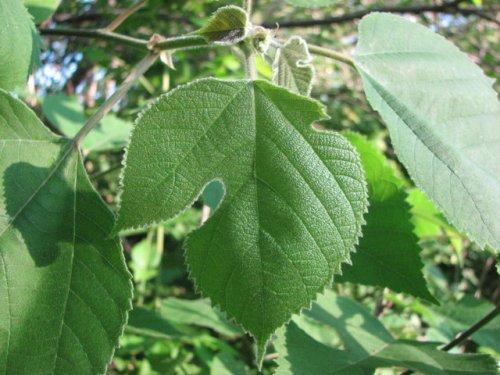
[[120, 92], [247, 5], [325, 52]]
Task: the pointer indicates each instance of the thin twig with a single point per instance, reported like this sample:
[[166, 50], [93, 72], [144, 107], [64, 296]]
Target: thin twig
[[462, 336], [122, 17], [120, 92], [97, 34], [447, 7]]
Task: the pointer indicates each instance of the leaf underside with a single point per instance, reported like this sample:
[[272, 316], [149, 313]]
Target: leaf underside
[[367, 346], [388, 252], [64, 287], [294, 197], [443, 116]]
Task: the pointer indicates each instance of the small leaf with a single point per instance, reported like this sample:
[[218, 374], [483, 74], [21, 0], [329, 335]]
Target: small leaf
[[388, 252], [41, 9], [19, 44], [294, 202], [64, 287], [443, 116], [228, 25], [367, 346], [292, 67], [67, 115]]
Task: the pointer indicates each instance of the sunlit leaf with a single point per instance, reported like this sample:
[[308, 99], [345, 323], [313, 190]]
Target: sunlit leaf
[[294, 199]]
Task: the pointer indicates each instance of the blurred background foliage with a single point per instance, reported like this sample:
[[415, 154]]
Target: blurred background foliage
[[171, 329]]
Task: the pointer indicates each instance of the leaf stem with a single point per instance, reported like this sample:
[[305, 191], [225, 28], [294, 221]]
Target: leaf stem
[[247, 5], [464, 335], [325, 52], [120, 92], [122, 17]]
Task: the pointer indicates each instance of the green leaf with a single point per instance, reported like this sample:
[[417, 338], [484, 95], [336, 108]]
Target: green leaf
[[41, 9], [145, 260], [199, 313], [427, 219], [367, 346], [312, 3], [292, 66], [64, 287], [228, 25], [443, 117], [19, 44], [294, 199], [225, 364], [455, 317], [388, 252], [67, 115], [145, 322]]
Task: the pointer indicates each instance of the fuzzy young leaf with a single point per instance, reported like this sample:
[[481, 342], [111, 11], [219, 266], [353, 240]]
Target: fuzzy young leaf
[[388, 252], [228, 25], [368, 346], [292, 67], [443, 117], [19, 44], [294, 197], [64, 287]]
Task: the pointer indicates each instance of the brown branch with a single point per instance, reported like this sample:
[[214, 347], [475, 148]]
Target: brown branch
[[452, 7]]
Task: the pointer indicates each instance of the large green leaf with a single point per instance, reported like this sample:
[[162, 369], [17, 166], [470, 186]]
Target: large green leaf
[[367, 346], [67, 115], [388, 252], [443, 116], [292, 66], [64, 287], [19, 44], [294, 198]]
